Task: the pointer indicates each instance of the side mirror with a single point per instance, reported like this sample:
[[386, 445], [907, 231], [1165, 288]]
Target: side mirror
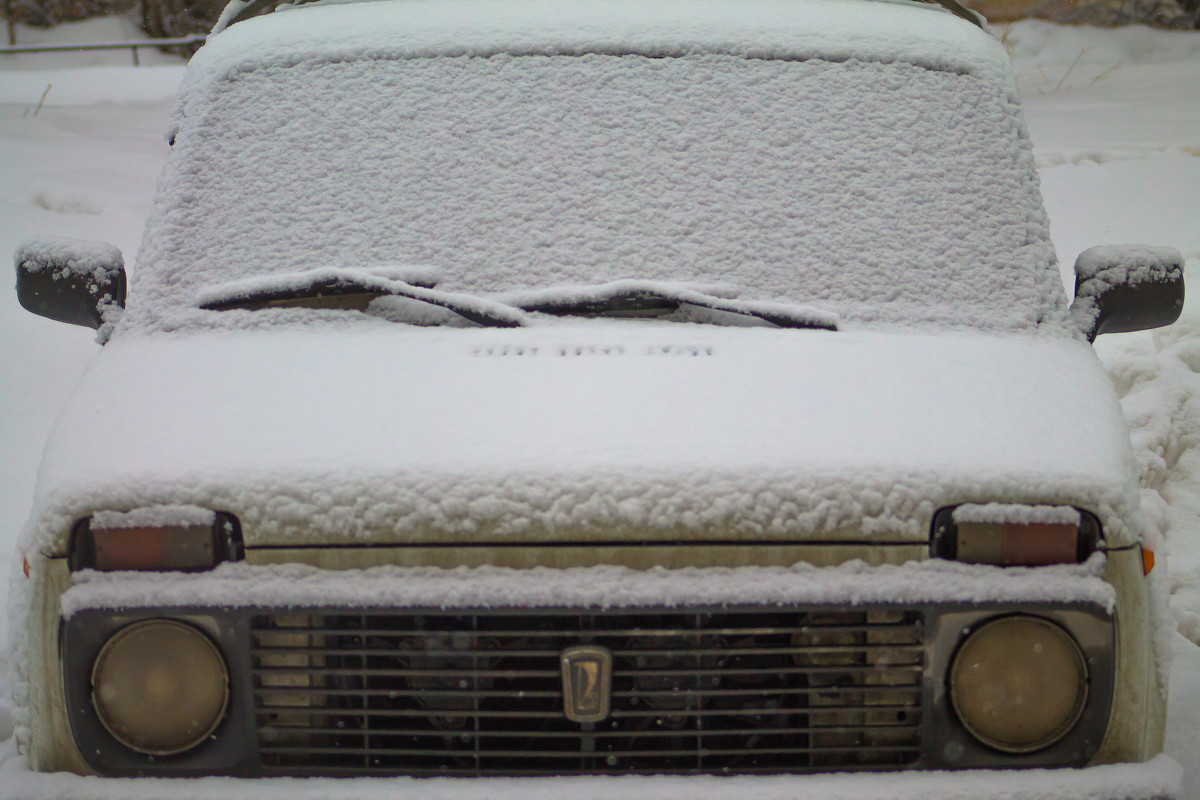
[[70, 280], [1120, 288]]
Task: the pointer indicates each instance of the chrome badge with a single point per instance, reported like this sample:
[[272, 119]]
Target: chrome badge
[[587, 682]]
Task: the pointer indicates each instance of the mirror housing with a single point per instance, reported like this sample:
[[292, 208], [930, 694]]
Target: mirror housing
[[70, 280], [1121, 288]]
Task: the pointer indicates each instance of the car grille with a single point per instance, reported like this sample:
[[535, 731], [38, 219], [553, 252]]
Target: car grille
[[481, 693]]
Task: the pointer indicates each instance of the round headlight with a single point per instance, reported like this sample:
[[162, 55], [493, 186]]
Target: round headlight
[[1019, 683], [160, 687]]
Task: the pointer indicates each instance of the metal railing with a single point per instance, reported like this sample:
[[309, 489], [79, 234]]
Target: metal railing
[[133, 47]]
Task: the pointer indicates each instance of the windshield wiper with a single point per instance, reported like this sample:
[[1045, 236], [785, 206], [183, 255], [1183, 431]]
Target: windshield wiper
[[626, 298], [353, 289]]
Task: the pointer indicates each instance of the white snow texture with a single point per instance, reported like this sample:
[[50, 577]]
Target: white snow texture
[[1116, 122], [741, 146], [855, 583]]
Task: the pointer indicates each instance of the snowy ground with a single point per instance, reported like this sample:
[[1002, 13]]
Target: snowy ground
[[1115, 117]]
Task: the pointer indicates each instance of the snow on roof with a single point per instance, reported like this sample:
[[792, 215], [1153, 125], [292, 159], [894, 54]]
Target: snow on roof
[[837, 30]]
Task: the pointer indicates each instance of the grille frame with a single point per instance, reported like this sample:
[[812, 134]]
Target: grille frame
[[691, 730], [235, 749]]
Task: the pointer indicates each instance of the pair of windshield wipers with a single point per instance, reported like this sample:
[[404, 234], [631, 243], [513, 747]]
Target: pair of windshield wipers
[[356, 289]]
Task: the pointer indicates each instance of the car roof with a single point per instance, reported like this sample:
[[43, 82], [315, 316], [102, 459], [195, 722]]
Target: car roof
[[836, 30], [240, 10]]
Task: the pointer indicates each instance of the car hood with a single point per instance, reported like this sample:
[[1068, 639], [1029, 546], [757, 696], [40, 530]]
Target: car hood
[[621, 430]]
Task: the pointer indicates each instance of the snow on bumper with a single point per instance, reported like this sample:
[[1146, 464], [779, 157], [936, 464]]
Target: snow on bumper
[[855, 583], [1157, 779]]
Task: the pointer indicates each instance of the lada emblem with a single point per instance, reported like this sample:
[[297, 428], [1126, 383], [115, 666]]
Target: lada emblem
[[587, 682]]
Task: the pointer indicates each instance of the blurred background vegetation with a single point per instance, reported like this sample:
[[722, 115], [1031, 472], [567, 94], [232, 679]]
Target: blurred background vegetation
[[174, 18], [1180, 14], [159, 18]]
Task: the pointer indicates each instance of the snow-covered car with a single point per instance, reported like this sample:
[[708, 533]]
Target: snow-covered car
[[606, 388]]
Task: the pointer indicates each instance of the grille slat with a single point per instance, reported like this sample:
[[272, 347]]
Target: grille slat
[[758, 712], [407, 692], [388, 652], [641, 673], [560, 754], [750, 692], [729, 691], [640, 632], [513, 772], [518, 694], [412, 673], [418, 732]]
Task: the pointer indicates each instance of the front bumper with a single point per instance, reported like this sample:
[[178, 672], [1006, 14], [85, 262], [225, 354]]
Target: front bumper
[[1157, 779], [50, 747], [830, 678]]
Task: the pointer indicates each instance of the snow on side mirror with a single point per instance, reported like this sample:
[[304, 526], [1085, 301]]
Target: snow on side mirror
[[1120, 288], [70, 280]]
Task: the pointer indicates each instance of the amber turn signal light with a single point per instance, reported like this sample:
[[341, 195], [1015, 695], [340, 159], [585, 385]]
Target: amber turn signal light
[[186, 545], [175, 547], [1028, 545], [1026, 536]]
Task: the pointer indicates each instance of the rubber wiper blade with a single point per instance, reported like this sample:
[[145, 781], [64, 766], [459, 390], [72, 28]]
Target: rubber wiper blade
[[353, 289], [653, 298]]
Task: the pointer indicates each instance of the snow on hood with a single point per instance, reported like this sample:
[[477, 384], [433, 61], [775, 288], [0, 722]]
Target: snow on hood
[[620, 430]]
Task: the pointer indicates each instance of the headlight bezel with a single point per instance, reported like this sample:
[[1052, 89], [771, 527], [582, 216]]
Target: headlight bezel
[[228, 750], [966, 715], [1094, 631], [110, 713]]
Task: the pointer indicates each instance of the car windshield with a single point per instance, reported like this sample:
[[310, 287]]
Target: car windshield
[[883, 193]]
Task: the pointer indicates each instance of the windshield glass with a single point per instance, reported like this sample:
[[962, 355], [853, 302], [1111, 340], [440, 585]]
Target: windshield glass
[[879, 192]]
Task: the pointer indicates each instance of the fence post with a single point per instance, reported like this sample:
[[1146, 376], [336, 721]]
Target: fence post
[[12, 30]]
